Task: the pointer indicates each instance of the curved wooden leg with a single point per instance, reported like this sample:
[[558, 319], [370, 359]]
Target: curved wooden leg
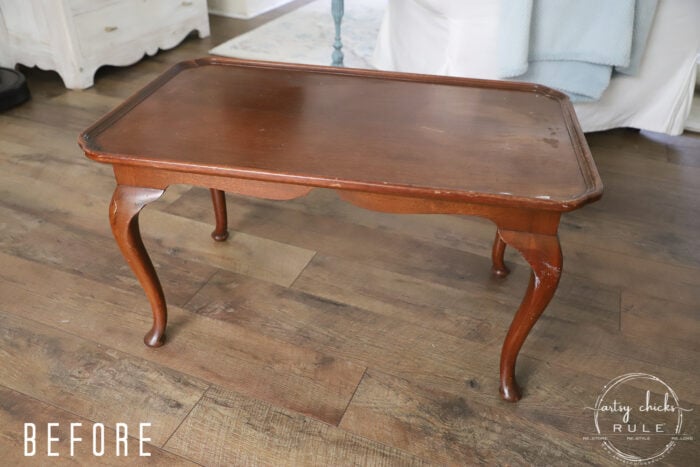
[[499, 267], [218, 198], [544, 255], [124, 209]]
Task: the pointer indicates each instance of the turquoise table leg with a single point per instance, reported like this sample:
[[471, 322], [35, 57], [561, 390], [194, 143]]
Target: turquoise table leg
[[337, 8]]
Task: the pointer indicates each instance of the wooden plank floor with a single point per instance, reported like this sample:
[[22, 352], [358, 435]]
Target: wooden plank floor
[[319, 333]]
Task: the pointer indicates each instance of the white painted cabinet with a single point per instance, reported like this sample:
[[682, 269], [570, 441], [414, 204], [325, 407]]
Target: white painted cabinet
[[76, 37]]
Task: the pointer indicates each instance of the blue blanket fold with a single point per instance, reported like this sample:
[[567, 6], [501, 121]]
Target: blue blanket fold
[[573, 45]]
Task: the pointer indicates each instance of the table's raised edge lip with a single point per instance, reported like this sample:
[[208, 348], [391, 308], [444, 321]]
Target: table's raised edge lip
[[594, 186]]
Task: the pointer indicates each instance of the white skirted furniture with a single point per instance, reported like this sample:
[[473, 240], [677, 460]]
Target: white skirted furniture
[[461, 38]]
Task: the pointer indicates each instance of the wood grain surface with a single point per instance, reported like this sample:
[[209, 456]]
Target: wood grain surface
[[17, 408], [249, 432], [310, 382], [433, 137], [409, 298]]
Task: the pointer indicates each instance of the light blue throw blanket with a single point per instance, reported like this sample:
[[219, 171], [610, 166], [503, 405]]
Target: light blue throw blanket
[[573, 45]]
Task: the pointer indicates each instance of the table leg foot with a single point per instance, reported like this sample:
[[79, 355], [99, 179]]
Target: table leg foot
[[218, 198], [124, 210], [543, 253], [499, 267]]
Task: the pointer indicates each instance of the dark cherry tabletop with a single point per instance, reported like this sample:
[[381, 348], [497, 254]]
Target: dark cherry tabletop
[[452, 138]]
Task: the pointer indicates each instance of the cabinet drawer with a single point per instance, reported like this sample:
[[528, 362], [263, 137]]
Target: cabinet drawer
[[119, 24], [78, 7]]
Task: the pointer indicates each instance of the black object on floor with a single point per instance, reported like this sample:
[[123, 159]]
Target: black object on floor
[[13, 88]]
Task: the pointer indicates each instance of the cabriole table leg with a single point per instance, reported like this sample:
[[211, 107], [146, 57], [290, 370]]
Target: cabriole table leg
[[499, 268], [218, 198], [543, 253], [124, 209]]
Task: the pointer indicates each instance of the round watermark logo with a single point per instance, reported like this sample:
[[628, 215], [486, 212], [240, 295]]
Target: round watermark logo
[[638, 418]]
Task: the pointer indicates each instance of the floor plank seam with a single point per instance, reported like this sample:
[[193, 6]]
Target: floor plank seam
[[655, 261], [83, 417], [29, 396], [204, 284], [102, 345], [619, 313], [204, 393], [340, 420], [52, 326], [291, 286], [402, 450]]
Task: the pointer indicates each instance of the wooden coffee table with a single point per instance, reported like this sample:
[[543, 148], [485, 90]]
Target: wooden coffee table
[[509, 152]]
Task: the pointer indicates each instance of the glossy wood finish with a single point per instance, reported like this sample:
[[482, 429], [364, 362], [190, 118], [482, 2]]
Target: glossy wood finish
[[506, 144], [389, 142], [124, 210], [543, 254]]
